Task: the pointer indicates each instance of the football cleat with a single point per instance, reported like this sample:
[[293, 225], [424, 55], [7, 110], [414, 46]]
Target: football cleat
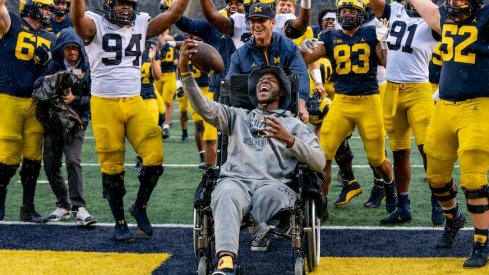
[[29, 215], [401, 215], [122, 234], [437, 217], [479, 255], [349, 191], [390, 197], [142, 220], [377, 195], [166, 133], [452, 226]]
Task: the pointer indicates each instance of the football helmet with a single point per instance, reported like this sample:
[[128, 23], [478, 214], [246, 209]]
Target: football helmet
[[249, 3], [368, 13], [164, 5], [317, 107], [350, 21], [62, 12], [32, 9], [457, 13], [110, 12], [410, 10]]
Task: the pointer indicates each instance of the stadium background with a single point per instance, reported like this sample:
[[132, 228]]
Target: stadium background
[[352, 242]]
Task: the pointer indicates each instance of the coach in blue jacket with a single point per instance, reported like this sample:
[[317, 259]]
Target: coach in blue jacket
[[267, 48]]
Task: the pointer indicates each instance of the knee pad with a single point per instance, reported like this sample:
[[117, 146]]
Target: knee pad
[[113, 186], [438, 192], [149, 175], [30, 170], [480, 193], [6, 173], [344, 154]]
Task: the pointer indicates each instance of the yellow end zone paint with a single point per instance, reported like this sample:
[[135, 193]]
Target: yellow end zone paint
[[392, 266], [69, 262]]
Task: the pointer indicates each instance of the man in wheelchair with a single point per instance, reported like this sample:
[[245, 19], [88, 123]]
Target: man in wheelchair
[[265, 145]]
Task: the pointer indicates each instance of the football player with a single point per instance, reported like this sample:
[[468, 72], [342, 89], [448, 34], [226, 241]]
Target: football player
[[354, 52], [114, 43], [458, 128], [408, 103], [24, 50], [62, 18], [167, 84]]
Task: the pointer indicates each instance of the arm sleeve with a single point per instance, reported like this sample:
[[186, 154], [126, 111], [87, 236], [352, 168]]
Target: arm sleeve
[[197, 27], [216, 114], [307, 149]]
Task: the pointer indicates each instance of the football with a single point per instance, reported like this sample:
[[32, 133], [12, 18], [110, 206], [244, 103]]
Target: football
[[207, 59]]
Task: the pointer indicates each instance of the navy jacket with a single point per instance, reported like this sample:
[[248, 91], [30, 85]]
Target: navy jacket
[[212, 36], [81, 103], [282, 53]]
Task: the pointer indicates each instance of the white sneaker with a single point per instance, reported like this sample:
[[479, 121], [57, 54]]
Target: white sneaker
[[84, 218], [59, 214]]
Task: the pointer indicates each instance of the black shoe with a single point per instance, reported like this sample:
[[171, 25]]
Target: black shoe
[[166, 133], [142, 220], [349, 191], [29, 215], [2, 212], [184, 138], [377, 195], [203, 165], [390, 197], [452, 226], [122, 234], [478, 257], [437, 217]]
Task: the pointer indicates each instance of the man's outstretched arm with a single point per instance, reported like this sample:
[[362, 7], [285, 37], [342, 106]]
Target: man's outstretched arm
[[84, 26], [164, 20], [4, 19]]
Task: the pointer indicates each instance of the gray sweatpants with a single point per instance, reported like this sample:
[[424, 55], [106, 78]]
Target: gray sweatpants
[[52, 156], [232, 199]]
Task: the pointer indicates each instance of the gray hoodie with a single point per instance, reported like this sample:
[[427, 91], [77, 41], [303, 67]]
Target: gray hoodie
[[250, 157]]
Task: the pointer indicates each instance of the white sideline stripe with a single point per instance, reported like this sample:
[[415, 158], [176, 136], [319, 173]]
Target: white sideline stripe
[[172, 137], [196, 165], [173, 225]]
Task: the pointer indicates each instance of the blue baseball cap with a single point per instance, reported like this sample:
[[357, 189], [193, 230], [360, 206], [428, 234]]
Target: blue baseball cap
[[261, 10]]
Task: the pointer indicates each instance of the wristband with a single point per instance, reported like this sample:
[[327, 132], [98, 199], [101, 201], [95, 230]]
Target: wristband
[[316, 76], [306, 4], [172, 44], [184, 74]]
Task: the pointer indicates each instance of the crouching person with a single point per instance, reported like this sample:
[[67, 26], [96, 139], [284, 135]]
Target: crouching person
[[68, 55], [265, 145]]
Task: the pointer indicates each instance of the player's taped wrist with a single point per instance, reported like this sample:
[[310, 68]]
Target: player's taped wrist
[[316, 76], [172, 43], [306, 4]]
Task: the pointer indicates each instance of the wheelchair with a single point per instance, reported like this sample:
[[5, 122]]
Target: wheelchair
[[304, 216]]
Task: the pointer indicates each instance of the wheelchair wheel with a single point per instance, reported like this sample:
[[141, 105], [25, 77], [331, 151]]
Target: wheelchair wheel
[[311, 238], [196, 233], [299, 266], [203, 267]]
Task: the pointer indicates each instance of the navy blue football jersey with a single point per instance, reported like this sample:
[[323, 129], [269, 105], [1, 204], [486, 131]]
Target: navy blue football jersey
[[17, 69], [147, 80], [168, 55], [435, 65], [353, 59], [465, 54], [57, 27], [201, 78]]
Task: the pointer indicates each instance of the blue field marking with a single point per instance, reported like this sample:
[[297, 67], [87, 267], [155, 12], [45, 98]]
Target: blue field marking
[[177, 240]]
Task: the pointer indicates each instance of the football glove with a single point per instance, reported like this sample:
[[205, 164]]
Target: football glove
[[382, 30], [42, 55], [309, 45]]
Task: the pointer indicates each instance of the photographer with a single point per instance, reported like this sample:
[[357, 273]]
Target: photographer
[[68, 55]]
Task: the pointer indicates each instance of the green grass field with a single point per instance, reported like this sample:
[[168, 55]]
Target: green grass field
[[172, 198]]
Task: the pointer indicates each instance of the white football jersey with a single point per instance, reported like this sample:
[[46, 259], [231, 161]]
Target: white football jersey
[[115, 56], [242, 32], [381, 71], [410, 45]]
